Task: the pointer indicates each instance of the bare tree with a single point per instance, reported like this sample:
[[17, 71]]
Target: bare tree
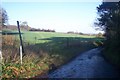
[[3, 17]]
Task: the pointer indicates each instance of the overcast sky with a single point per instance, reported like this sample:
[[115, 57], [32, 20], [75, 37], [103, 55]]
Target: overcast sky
[[60, 16]]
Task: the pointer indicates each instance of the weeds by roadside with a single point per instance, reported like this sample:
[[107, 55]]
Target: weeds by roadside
[[38, 57]]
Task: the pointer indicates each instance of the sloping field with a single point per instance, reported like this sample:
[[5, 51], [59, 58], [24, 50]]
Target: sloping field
[[38, 36], [41, 50]]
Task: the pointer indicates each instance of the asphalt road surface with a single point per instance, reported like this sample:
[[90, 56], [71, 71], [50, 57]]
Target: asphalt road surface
[[90, 64]]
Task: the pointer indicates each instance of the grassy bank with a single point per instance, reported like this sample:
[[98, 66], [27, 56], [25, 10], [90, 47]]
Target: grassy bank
[[112, 50], [113, 57], [41, 50]]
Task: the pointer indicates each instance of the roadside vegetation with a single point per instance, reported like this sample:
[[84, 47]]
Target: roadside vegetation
[[109, 21], [42, 49]]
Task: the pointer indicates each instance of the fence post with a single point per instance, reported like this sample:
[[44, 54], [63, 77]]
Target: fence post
[[21, 45], [35, 39], [67, 42]]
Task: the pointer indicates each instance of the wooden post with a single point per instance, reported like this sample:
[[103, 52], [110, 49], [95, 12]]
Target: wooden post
[[21, 45], [35, 39], [67, 42]]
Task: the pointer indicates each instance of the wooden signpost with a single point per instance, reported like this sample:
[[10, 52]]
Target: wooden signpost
[[21, 44]]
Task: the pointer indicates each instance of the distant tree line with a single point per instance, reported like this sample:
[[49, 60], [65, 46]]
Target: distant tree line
[[72, 32], [42, 30], [99, 35], [14, 27]]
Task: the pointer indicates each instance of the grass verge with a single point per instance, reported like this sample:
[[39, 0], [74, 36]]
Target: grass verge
[[41, 52]]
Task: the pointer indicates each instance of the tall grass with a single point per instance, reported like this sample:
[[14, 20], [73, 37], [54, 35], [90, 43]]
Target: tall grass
[[11, 67], [50, 48]]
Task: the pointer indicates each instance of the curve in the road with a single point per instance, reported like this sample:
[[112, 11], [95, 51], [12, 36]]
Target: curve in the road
[[87, 65]]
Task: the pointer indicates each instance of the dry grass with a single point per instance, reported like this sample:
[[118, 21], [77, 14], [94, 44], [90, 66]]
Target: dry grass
[[37, 58], [32, 63]]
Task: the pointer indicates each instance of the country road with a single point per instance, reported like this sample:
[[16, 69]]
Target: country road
[[90, 64]]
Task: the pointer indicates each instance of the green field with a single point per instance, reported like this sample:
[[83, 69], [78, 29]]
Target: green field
[[60, 44], [43, 48], [38, 36]]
